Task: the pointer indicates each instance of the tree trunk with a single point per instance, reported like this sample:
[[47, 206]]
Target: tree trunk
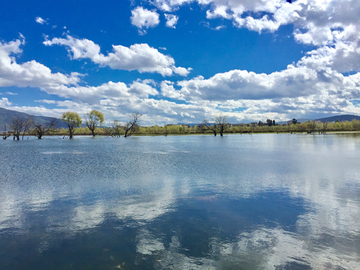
[[71, 132]]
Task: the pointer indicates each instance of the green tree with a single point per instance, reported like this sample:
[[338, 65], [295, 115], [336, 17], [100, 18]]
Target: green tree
[[94, 119], [73, 121]]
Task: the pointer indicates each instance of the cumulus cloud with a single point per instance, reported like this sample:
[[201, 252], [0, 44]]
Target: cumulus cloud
[[4, 102], [144, 19], [30, 73], [109, 90], [241, 84], [170, 5], [40, 20], [281, 12], [139, 57], [171, 20], [319, 23]]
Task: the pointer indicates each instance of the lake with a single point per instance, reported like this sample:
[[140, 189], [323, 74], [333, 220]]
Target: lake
[[265, 201]]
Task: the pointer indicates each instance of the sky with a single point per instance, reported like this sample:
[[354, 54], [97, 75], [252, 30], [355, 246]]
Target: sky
[[181, 61]]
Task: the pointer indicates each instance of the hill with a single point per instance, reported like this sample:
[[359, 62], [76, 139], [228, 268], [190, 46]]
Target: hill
[[341, 118], [6, 117]]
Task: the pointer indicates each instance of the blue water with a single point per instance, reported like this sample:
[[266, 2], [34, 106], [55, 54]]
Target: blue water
[[181, 202]]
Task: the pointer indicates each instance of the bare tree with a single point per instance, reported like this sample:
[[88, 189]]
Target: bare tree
[[5, 133], [42, 130], [222, 123], [133, 125], [20, 127], [117, 129], [17, 125], [210, 126], [28, 124]]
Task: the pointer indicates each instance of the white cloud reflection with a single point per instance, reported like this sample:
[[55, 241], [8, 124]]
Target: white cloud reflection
[[323, 236]]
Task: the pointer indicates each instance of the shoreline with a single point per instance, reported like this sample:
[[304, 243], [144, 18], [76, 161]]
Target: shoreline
[[194, 134]]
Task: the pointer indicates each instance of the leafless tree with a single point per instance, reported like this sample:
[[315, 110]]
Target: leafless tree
[[20, 127], [17, 125], [42, 130], [117, 129], [222, 123], [210, 126], [133, 125], [5, 133], [28, 124]]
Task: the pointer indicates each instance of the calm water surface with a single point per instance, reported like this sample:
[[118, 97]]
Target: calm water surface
[[181, 202]]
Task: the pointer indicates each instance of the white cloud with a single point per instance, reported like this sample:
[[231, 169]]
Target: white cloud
[[4, 102], [114, 91], [291, 82], [171, 20], [319, 23], [332, 25], [30, 73], [169, 5], [46, 101], [281, 11], [40, 20], [219, 27], [11, 93], [139, 57], [144, 18]]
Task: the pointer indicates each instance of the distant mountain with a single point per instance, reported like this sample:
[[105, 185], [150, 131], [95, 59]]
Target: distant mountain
[[341, 118], [6, 117]]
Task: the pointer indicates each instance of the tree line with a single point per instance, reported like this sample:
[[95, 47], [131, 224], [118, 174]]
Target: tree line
[[93, 121], [219, 125]]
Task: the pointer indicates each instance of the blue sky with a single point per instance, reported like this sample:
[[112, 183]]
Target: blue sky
[[181, 60]]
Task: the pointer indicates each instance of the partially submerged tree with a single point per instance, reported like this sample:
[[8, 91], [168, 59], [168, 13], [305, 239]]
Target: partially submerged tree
[[222, 123], [20, 127], [5, 134], [73, 120], [42, 130], [133, 125], [94, 119], [17, 125], [28, 124], [210, 126], [117, 129]]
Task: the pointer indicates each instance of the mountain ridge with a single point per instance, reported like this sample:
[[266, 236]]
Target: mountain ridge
[[6, 117]]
